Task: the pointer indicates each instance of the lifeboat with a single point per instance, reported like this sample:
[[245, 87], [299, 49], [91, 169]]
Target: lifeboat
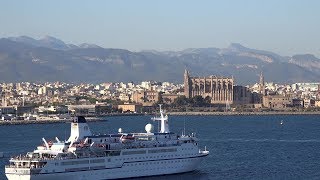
[[41, 147], [127, 138]]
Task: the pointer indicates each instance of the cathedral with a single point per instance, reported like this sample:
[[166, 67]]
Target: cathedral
[[219, 89]]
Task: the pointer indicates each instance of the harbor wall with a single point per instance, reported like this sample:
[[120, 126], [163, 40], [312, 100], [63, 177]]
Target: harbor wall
[[241, 113]]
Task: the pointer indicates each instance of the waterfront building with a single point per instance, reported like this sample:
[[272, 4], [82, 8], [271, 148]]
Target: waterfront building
[[219, 89], [297, 103], [317, 103], [20, 110], [277, 102], [82, 109], [146, 98], [42, 109], [242, 95], [7, 110], [130, 107], [308, 103]]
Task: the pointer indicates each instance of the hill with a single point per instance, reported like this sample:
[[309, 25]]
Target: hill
[[50, 59]]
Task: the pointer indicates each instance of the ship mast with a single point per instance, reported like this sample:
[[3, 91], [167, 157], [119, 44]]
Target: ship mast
[[164, 121]]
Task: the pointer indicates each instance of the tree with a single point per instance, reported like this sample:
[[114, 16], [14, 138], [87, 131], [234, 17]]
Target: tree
[[198, 101], [181, 101], [207, 100]]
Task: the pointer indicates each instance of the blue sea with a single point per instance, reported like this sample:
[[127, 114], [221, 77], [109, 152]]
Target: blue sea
[[241, 147]]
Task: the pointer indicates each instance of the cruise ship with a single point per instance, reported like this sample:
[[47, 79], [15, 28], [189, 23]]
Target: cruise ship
[[87, 156]]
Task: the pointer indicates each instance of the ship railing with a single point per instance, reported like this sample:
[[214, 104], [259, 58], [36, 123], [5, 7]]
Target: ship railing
[[25, 158], [28, 159], [151, 145], [24, 166], [9, 166]]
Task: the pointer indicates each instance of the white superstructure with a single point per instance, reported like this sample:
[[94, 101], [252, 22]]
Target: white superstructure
[[110, 156]]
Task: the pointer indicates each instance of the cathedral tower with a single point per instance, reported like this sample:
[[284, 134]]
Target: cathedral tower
[[261, 85], [186, 83]]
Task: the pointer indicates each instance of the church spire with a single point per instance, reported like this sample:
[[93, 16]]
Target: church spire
[[261, 79], [186, 73], [261, 84]]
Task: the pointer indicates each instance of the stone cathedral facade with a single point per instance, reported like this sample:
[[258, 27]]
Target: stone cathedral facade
[[219, 89]]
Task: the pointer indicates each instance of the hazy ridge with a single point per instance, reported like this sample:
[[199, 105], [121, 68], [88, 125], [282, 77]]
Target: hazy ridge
[[50, 59]]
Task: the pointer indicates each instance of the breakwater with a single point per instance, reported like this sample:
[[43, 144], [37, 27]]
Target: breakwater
[[49, 121]]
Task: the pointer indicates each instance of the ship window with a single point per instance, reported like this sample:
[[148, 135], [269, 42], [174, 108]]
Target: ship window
[[97, 161], [35, 155]]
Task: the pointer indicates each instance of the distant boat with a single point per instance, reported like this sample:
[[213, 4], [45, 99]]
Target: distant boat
[[281, 122]]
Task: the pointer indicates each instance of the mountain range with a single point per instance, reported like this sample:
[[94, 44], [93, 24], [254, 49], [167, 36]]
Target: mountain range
[[50, 59]]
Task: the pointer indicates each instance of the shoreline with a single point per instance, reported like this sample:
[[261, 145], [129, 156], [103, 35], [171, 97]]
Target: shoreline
[[241, 113], [22, 122], [102, 117]]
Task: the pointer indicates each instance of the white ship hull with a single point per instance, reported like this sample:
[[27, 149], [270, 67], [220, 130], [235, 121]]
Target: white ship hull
[[85, 156], [127, 170]]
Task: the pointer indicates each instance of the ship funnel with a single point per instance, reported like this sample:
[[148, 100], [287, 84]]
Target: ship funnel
[[79, 129]]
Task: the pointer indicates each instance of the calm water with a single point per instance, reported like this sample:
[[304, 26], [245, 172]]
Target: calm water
[[241, 147]]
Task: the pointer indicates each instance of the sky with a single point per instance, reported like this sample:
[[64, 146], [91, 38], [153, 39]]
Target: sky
[[286, 27]]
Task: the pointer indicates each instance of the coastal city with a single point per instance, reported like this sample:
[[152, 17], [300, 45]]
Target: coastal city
[[59, 100], [223, 90]]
